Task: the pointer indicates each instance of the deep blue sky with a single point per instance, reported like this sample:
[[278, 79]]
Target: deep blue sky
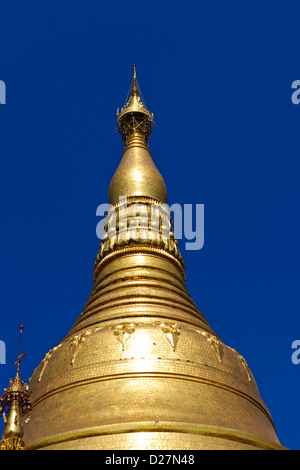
[[217, 75]]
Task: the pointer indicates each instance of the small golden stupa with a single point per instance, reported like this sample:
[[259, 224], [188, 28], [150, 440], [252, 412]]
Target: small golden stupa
[[141, 368], [15, 401]]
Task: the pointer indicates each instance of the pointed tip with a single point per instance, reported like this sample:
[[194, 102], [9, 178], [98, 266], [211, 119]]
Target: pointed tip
[[20, 356], [134, 88], [134, 71]]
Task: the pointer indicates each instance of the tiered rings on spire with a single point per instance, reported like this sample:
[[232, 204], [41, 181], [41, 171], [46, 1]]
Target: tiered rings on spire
[[137, 192]]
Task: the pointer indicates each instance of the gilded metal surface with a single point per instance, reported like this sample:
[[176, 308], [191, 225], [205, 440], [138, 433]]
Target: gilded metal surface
[[215, 343], [172, 332], [13, 430], [46, 360], [135, 118], [135, 224], [15, 401], [137, 174], [244, 364], [158, 436], [123, 333], [141, 368]]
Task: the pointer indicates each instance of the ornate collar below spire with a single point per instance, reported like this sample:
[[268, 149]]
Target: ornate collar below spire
[[135, 119]]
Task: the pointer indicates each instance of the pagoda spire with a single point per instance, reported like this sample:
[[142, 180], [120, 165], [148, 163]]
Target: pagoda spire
[[137, 174], [14, 402], [134, 88], [135, 119]]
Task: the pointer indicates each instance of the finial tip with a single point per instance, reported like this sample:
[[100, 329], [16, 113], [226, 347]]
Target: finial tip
[[134, 70]]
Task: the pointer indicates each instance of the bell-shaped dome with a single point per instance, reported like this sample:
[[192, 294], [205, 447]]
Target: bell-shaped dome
[[137, 174]]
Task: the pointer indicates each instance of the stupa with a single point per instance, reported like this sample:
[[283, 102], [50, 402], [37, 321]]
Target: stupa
[[141, 368]]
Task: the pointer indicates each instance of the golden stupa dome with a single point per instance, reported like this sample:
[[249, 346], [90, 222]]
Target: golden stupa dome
[[141, 368]]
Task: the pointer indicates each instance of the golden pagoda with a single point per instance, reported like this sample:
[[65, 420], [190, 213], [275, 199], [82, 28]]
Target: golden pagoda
[[141, 368], [15, 401]]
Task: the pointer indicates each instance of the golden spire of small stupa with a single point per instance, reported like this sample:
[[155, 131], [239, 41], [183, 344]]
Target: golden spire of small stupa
[[14, 402]]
